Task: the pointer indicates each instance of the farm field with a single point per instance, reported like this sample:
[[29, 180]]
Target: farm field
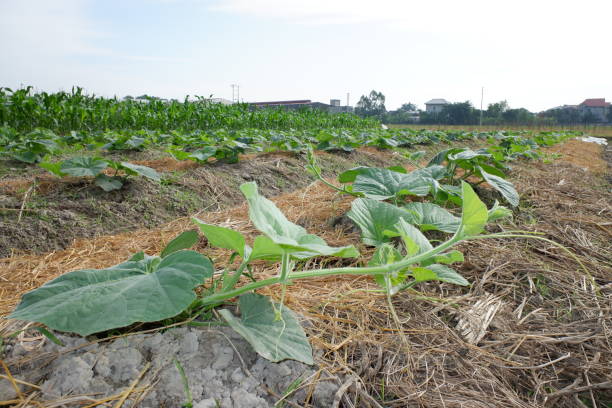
[[389, 268], [596, 131]]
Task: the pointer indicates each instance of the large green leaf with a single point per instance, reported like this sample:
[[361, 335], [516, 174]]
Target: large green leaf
[[265, 248], [442, 155], [503, 186], [221, 237], [83, 166], [146, 289], [55, 168], [108, 183], [498, 212], [275, 340], [474, 213], [185, 240], [387, 254], [438, 272], [430, 216], [142, 170], [416, 243], [382, 184], [376, 219], [293, 238], [467, 154], [351, 174]]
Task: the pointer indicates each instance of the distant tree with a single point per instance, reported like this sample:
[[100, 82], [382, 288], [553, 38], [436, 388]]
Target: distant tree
[[407, 107], [460, 113], [372, 105], [407, 113], [565, 115], [496, 110], [589, 117], [519, 116]]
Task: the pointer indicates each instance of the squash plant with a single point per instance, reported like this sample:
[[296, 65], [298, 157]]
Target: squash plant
[[95, 166], [438, 179], [480, 164], [153, 288]]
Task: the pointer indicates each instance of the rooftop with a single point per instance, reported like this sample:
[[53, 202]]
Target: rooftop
[[595, 103], [438, 101], [293, 102]]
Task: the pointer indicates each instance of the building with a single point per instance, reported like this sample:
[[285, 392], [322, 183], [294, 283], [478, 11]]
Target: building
[[333, 107], [222, 101], [597, 107], [435, 105]]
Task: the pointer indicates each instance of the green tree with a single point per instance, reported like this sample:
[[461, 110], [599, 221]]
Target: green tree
[[589, 117], [372, 105], [407, 107], [520, 116], [460, 113], [496, 110]]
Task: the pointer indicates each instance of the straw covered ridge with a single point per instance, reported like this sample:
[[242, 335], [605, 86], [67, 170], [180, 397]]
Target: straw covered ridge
[[533, 329]]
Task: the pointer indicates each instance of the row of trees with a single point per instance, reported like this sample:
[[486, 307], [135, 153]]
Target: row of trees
[[463, 113]]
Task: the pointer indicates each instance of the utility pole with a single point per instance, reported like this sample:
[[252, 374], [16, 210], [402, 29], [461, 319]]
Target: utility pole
[[481, 99], [235, 93]]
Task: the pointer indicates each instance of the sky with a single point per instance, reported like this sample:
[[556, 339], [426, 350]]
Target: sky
[[536, 54]]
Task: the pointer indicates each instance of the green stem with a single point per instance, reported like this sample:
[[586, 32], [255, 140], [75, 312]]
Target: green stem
[[372, 270], [236, 276]]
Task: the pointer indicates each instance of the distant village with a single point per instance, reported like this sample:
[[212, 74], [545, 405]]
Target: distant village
[[440, 111]]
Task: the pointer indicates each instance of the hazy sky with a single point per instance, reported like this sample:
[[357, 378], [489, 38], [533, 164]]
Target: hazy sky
[[533, 53]]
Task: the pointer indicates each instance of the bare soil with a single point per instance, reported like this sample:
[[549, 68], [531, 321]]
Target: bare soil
[[57, 211]]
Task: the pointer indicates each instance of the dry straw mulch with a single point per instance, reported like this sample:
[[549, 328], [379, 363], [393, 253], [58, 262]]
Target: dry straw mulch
[[533, 330]]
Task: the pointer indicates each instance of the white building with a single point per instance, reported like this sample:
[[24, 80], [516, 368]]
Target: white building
[[435, 105]]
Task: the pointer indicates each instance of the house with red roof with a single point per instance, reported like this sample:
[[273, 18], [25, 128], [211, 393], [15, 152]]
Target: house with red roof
[[597, 107]]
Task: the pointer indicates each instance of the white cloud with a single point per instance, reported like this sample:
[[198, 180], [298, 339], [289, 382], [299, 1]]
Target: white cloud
[[47, 28], [441, 16]]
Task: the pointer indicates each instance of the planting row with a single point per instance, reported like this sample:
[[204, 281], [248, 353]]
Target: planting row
[[227, 145], [394, 210]]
